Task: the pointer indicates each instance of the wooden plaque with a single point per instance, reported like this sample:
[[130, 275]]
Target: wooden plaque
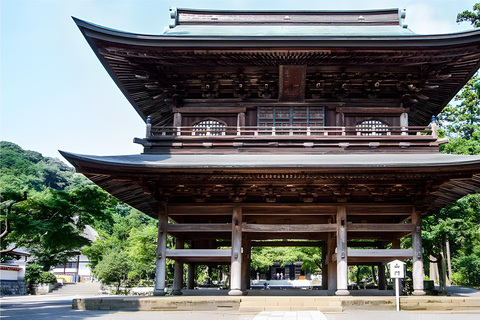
[[292, 83]]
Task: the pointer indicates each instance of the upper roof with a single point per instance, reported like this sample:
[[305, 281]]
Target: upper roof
[[194, 22], [365, 46]]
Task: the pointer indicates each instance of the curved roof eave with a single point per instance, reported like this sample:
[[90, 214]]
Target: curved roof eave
[[372, 162], [91, 30]]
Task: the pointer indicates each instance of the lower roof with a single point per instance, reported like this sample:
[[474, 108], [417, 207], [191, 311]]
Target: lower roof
[[274, 161], [131, 178]]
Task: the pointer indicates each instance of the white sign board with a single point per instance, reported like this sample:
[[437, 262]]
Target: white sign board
[[397, 269], [397, 272]]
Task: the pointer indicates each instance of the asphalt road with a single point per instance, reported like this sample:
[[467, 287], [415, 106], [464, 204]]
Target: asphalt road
[[53, 307]]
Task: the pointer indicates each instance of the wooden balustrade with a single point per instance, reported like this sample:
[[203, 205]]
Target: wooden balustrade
[[206, 132], [291, 139]]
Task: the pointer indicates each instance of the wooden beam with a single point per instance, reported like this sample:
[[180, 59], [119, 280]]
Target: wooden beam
[[176, 207], [360, 244], [287, 243], [198, 253], [378, 110], [289, 228], [381, 253], [210, 109], [379, 227], [200, 227]]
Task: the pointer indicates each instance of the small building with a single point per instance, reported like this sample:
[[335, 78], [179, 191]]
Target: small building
[[77, 268], [12, 274], [286, 125]]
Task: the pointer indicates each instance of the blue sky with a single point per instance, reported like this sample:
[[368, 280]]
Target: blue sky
[[55, 95]]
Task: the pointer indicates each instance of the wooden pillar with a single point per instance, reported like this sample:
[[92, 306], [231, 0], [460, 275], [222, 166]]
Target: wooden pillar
[[382, 279], [191, 276], [178, 270], [246, 245], [404, 120], [395, 243], [249, 264], [241, 119], [342, 270], [161, 250], [177, 119], [236, 261], [417, 272], [324, 266], [332, 265]]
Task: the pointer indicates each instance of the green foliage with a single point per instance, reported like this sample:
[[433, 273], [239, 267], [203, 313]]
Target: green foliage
[[25, 170], [462, 145], [135, 234], [141, 251], [463, 119], [468, 267], [458, 224], [472, 17], [47, 277], [114, 267], [34, 274], [264, 257], [49, 223]]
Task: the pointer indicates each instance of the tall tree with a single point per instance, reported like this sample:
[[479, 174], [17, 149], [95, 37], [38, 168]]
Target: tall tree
[[50, 224], [462, 119], [458, 223]]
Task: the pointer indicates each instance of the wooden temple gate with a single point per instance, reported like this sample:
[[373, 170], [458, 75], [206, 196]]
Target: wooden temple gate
[[332, 234], [318, 131]]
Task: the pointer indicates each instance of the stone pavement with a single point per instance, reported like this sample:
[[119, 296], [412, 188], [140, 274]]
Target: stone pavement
[[290, 315], [458, 291]]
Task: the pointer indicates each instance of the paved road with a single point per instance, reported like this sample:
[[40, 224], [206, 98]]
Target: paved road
[[57, 307], [463, 291]]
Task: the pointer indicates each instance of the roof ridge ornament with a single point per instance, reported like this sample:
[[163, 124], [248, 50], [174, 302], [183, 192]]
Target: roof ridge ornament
[[401, 18]]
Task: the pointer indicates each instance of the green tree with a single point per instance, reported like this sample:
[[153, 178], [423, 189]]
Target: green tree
[[264, 257], [472, 17], [458, 224], [467, 266], [462, 120], [114, 267], [50, 223], [141, 250]]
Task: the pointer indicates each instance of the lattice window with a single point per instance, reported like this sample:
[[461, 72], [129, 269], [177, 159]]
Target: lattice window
[[290, 116], [372, 128], [209, 128]]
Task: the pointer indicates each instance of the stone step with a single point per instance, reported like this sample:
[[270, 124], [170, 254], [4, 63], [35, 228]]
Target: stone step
[[81, 288], [256, 304]]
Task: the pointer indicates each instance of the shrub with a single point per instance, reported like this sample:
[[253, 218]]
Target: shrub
[[34, 274], [47, 277]]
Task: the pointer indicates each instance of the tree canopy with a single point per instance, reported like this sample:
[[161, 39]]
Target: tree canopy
[[471, 16], [46, 206]]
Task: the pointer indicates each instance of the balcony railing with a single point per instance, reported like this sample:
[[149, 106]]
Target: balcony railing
[[322, 139], [204, 132]]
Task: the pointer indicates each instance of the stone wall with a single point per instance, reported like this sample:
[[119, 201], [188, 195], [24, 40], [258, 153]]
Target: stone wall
[[41, 288], [12, 288]]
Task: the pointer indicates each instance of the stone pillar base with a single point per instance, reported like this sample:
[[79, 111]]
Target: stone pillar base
[[418, 292], [159, 292], [342, 292], [177, 292], [235, 292]]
